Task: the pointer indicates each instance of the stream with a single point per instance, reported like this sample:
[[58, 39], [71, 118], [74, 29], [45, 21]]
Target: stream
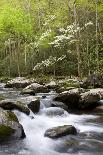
[[88, 141]]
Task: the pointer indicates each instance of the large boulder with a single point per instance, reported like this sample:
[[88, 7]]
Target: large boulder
[[10, 128], [94, 81], [19, 82], [14, 105], [34, 105], [60, 131], [70, 98], [35, 88], [90, 99], [53, 111]]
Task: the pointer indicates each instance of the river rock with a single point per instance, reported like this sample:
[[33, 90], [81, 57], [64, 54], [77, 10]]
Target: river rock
[[14, 105], [34, 105], [54, 111], [52, 85], [10, 126], [35, 88], [70, 98], [89, 99], [98, 109], [95, 81], [18, 82], [59, 104], [62, 89], [60, 131]]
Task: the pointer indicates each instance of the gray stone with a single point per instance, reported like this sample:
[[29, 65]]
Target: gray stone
[[10, 128], [14, 105], [35, 88], [70, 98], [34, 105], [60, 131], [19, 82]]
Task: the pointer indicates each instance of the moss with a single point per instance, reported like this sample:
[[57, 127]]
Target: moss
[[2, 98], [6, 130], [5, 79], [12, 117], [71, 84]]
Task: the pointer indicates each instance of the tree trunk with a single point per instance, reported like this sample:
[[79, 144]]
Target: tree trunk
[[77, 43]]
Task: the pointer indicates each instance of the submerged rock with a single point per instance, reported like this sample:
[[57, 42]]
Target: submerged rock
[[59, 104], [14, 105], [98, 109], [19, 82], [34, 105], [54, 111], [35, 88], [70, 98], [10, 126], [60, 131]]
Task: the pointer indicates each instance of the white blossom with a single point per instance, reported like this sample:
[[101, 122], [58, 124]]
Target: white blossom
[[89, 23]]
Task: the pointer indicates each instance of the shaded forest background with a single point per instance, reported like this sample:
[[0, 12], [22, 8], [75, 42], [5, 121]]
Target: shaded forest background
[[51, 37]]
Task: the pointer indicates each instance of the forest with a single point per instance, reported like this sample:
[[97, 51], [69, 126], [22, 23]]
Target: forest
[[51, 77], [51, 37]]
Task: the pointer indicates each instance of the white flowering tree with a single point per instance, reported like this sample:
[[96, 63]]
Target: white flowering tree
[[50, 62]]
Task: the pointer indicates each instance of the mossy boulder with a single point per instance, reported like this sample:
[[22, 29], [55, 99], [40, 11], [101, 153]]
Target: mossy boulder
[[35, 88], [67, 84], [14, 105], [52, 85], [18, 82], [10, 128], [60, 131]]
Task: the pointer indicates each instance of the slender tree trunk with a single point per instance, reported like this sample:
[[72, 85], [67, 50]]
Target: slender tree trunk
[[77, 43], [88, 61], [18, 51], [9, 58], [97, 48]]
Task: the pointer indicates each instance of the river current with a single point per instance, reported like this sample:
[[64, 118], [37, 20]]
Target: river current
[[88, 141]]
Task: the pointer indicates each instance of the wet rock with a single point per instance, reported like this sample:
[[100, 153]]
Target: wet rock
[[59, 104], [70, 98], [94, 81], [60, 131], [44, 96], [98, 109], [62, 89], [34, 105], [14, 105], [35, 88], [88, 99], [52, 85], [19, 82], [54, 111], [10, 126], [98, 91]]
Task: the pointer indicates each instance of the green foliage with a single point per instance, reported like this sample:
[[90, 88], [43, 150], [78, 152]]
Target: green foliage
[[32, 32]]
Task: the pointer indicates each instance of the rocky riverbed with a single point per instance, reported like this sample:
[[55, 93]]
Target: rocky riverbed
[[52, 128]]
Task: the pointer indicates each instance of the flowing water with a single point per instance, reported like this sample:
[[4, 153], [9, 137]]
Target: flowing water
[[89, 140]]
